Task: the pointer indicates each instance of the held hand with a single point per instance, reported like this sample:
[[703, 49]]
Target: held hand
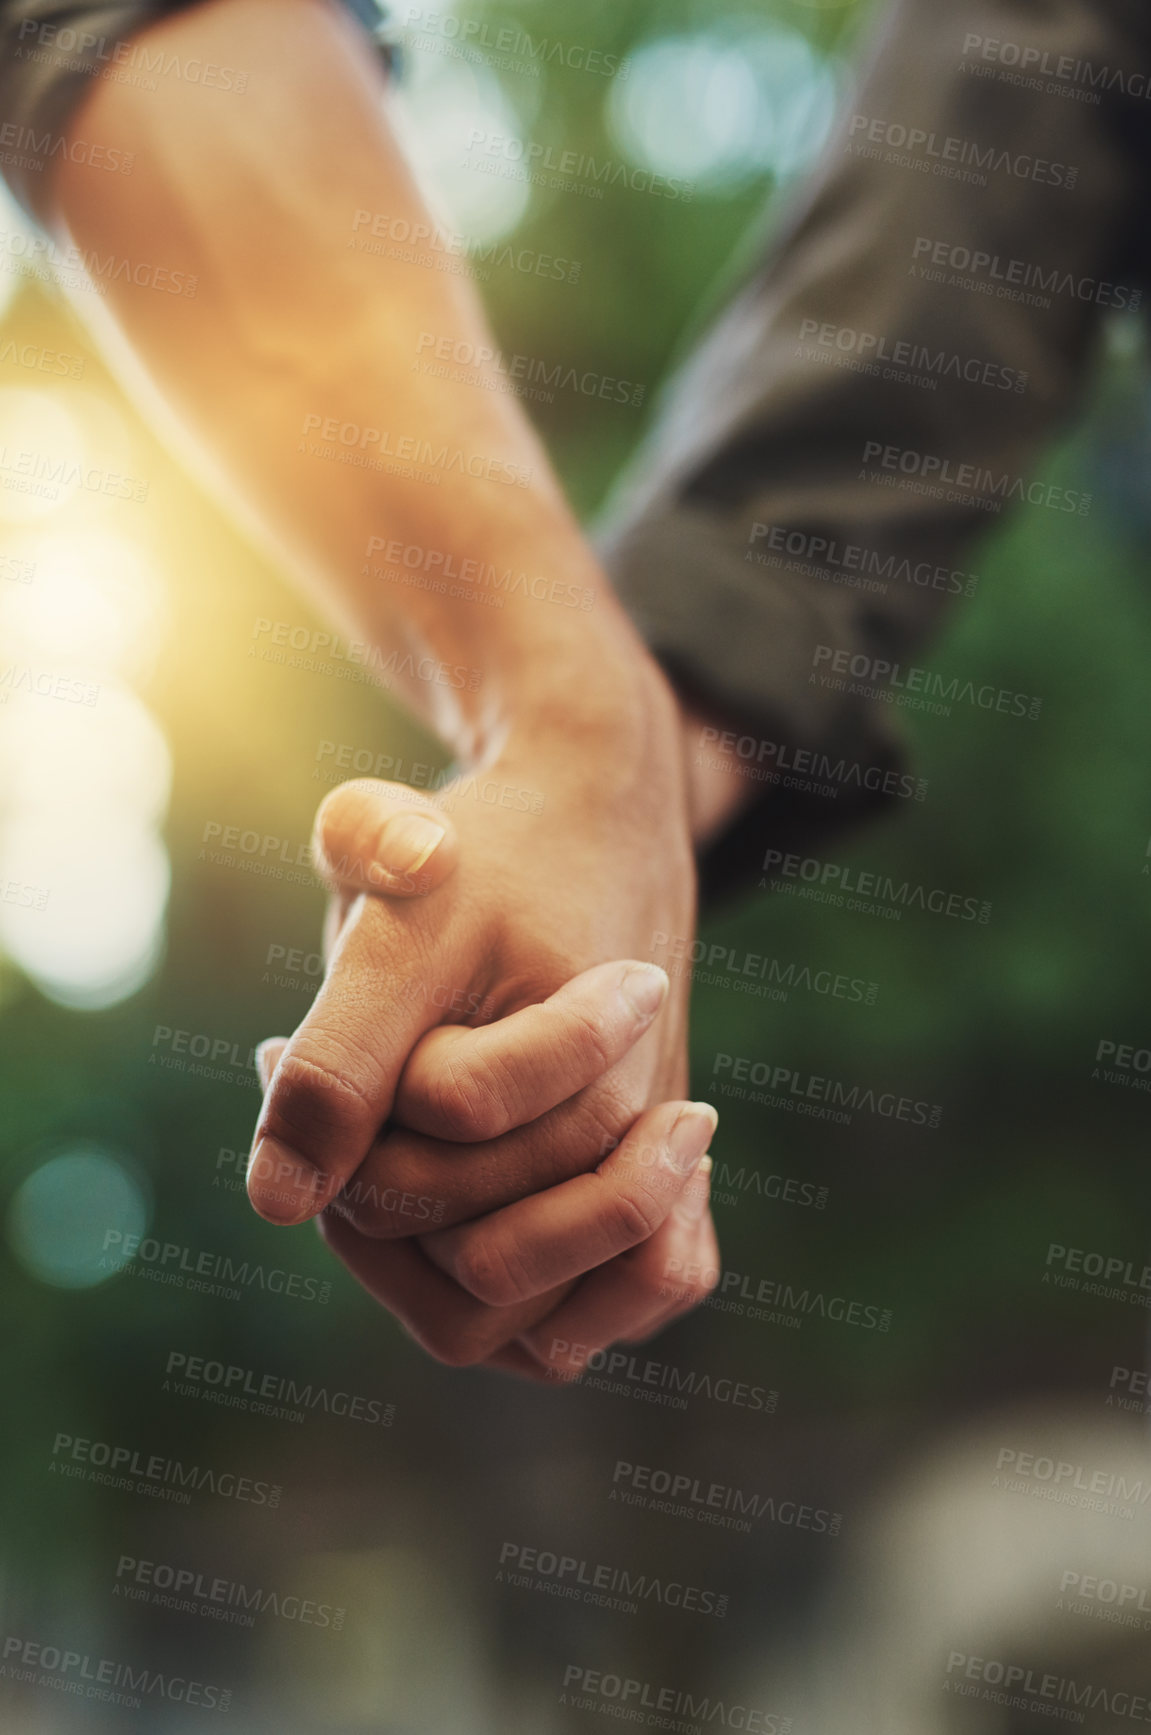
[[493, 1113], [509, 1290], [444, 1157], [635, 1224], [533, 902]]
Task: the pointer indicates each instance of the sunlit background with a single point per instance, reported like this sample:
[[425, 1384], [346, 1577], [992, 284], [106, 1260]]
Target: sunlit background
[[136, 713]]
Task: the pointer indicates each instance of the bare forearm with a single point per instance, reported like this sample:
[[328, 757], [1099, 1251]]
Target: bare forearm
[[295, 369]]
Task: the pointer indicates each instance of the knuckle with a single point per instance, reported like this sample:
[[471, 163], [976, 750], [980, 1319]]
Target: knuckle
[[481, 1267], [694, 1292], [631, 1215], [314, 1097], [464, 1335], [361, 1207], [602, 1115], [585, 1041], [646, 1283], [452, 1344], [467, 1104], [338, 817], [709, 1280]]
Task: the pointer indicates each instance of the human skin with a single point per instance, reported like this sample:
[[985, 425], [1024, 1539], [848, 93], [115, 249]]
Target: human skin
[[294, 327]]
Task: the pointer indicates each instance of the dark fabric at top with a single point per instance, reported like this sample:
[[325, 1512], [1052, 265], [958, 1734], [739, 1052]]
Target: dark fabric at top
[[760, 445], [50, 50]]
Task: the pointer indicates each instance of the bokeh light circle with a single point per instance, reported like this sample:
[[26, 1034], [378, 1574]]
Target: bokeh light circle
[[61, 1215], [719, 107]]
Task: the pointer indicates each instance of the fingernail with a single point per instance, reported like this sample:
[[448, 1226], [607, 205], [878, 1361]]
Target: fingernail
[[408, 841], [691, 1135], [267, 1057], [645, 987], [697, 1193], [281, 1185]]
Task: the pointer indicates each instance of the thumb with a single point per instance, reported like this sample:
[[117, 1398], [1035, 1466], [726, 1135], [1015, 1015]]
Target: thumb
[[268, 1058], [383, 838]]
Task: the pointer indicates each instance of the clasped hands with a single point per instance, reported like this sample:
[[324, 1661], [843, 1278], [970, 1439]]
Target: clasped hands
[[485, 1117]]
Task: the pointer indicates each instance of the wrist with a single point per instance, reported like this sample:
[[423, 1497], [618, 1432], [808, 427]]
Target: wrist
[[601, 773]]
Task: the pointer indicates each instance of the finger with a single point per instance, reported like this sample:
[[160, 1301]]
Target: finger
[[333, 1086], [410, 1185], [383, 837], [268, 1057], [449, 1325], [336, 914], [539, 1242], [636, 1294], [514, 1359], [470, 1085], [690, 1272]]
